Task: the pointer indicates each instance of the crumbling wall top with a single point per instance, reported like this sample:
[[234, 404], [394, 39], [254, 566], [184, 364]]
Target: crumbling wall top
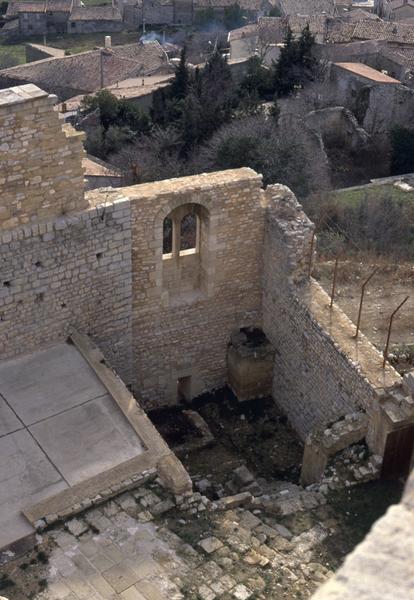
[[41, 158]]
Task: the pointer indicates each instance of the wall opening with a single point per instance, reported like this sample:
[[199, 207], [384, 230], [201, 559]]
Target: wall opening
[[167, 237], [183, 390], [188, 234], [185, 252]]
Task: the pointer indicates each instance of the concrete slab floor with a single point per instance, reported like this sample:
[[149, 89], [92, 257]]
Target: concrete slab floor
[[8, 420], [41, 384], [87, 439], [26, 476], [58, 427]]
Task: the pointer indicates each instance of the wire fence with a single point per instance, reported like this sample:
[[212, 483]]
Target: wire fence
[[341, 256]]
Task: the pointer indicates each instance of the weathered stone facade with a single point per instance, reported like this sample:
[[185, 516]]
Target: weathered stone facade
[[164, 320], [183, 331], [41, 174]]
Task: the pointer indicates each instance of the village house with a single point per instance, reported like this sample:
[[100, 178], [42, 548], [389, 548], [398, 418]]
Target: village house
[[395, 10], [62, 16], [90, 71], [91, 19]]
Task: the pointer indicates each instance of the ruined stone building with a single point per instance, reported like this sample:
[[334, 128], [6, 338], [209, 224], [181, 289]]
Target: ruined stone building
[[98, 268]]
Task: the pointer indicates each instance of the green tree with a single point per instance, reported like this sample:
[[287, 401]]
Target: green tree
[[258, 79], [180, 83], [275, 12], [233, 16], [295, 64], [107, 104]]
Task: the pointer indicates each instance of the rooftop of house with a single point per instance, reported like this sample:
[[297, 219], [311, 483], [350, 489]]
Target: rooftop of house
[[366, 72], [308, 7], [343, 30], [81, 73], [358, 14], [316, 23], [248, 5], [395, 4], [95, 13], [18, 6], [14, 8], [243, 32], [399, 54], [272, 30]]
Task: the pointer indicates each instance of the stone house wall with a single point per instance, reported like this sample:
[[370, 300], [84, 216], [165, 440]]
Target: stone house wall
[[31, 23], [157, 12], [91, 26]]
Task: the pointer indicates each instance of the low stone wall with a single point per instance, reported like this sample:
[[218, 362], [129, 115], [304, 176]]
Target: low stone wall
[[321, 372], [39, 52]]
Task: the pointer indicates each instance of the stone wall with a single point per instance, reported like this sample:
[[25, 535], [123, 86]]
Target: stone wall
[[41, 159], [321, 373], [185, 333], [70, 274], [161, 319], [378, 107], [90, 26]]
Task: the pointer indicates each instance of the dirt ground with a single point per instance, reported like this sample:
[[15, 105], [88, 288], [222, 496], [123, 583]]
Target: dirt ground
[[389, 286]]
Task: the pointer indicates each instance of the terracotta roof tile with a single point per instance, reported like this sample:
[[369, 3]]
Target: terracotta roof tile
[[95, 13], [308, 7], [80, 73]]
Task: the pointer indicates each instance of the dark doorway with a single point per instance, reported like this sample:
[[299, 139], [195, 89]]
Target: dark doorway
[[184, 390], [398, 453]]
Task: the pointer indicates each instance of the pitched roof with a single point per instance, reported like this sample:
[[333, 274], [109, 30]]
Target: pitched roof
[[384, 30], [272, 30], [21, 6], [243, 32], [15, 7], [398, 54], [95, 13], [81, 73], [317, 23], [357, 14], [342, 30], [339, 31], [59, 5], [308, 7], [366, 72], [248, 5], [395, 4]]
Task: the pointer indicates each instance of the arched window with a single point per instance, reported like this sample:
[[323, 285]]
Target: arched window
[[188, 232], [185, 252], [167, 236]]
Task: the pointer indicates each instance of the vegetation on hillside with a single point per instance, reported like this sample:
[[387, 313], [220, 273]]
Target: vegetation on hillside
[[206, 121]]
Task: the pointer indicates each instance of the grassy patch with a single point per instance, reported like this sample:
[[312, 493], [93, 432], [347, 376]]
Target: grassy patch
[[353, 197], [73, 43], [12, 52]]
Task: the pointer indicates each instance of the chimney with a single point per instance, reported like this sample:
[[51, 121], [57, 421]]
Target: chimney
[[108, 42]]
